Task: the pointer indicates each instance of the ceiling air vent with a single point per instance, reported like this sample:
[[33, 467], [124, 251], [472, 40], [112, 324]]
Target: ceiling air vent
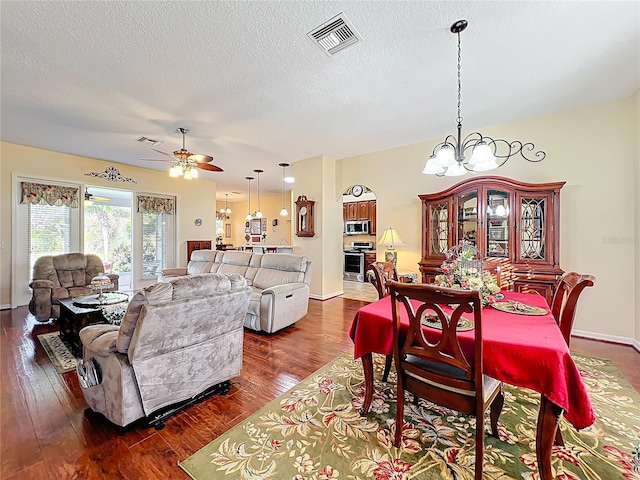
[[335, 35], [155, 143]]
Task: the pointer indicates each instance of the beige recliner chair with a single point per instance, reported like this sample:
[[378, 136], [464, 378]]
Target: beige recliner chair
[[177, 339], [63, 276]]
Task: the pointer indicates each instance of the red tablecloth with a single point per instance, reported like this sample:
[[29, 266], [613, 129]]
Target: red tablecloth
[[526, 351]]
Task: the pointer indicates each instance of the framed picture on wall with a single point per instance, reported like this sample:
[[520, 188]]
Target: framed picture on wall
[[256, 238], [256, 226], [227, 230]]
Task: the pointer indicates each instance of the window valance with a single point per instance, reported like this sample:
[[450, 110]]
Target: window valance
[[57, 195], [156, 204]]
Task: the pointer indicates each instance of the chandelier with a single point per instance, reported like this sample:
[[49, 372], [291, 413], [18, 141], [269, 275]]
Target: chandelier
[[449, 157], [225, 211]]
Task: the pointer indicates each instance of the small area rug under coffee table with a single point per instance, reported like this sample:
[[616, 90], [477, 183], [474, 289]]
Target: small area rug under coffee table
[[314, 432], [58, 351]]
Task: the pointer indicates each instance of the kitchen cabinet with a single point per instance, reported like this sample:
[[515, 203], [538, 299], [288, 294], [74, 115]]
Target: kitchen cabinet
[[369, 258], [360, 211], [372, 217], [197, 245], [363, 210], [514, 225], [352, 210]]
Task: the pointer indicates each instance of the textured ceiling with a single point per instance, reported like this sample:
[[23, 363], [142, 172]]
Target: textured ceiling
[[88, 78]]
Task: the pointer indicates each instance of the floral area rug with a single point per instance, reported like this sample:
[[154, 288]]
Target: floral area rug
[[58, 352], [314, 432]]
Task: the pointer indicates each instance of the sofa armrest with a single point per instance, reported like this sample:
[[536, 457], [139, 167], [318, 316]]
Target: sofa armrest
[[41, 284], [100, 339], [173, 272], [282, 305], [285, 289]]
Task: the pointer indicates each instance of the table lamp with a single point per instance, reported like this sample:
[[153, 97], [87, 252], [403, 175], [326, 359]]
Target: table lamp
[[390, 237]]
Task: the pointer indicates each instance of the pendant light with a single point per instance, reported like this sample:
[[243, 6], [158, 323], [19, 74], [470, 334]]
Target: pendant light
[[258, 212], [284, 166], [225, 211], [249, 217], [450, 157]]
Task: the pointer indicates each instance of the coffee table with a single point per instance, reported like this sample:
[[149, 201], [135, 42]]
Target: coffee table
[[77, 313], [73, 319]]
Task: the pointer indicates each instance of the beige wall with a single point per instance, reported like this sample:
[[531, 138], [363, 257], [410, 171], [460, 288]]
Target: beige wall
[[271, 207], [316, 179], [195, 198], [636, 129], [598, 214]]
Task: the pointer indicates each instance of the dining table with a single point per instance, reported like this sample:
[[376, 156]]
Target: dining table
[[519, 349]]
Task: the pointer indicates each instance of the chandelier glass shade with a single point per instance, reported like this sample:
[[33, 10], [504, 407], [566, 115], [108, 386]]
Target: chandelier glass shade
[[226, 210], [249, 216], [285, 180], [183, 167], [450, 158], [258, 213]]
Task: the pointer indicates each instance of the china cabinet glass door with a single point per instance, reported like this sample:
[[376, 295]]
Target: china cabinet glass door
[[533, 228], [438, 228], [497, 222], [467, 208]]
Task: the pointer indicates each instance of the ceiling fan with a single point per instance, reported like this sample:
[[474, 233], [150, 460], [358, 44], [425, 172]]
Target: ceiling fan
[[183, 162], [90, 197]]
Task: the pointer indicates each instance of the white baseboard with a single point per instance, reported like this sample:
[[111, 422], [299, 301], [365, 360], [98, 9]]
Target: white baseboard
[[5, 307], [607, 338], [325, 297]]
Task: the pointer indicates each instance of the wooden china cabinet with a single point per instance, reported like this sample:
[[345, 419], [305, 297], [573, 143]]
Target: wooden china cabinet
[[514, 225]]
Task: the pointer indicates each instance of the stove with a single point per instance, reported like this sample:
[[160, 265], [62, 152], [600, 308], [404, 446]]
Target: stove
[[354, 266]]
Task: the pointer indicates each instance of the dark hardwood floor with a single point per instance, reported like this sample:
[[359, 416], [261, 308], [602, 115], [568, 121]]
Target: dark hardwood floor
[[48, 432]]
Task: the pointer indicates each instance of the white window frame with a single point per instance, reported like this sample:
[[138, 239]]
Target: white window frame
[[21, 271], [137, 281]]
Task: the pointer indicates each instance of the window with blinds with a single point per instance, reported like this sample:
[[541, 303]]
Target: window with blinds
[[49, 231], [154, 244]]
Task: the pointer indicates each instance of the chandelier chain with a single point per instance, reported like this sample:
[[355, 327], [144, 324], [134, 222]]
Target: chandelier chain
[[459, 119]]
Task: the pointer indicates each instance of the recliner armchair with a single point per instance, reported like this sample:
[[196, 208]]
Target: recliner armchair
[[177, 339], [63, 276]]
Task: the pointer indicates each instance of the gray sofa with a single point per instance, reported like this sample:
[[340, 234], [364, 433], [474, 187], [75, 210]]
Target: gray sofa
[[177, 339], [63, 276], [279, 283]]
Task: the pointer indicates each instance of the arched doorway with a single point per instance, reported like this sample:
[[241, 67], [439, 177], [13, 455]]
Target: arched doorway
[[359, 225]]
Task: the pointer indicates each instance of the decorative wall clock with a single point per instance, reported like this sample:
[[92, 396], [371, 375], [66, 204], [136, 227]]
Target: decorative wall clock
[[304, 217]]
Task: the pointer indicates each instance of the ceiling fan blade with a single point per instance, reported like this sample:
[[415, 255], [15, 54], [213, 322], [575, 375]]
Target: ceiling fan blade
[[100, 199], [163, 153], [154, 160], [201, 158], [207, 166]]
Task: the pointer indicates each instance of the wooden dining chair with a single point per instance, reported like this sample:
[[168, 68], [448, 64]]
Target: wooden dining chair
[[382, 274], [563, 308], [565, 300], [439, 370]]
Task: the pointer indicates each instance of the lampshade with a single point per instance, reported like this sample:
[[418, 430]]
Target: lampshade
[[390, 237]]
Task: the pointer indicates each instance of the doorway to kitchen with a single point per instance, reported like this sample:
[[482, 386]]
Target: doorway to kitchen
[[359, 221]]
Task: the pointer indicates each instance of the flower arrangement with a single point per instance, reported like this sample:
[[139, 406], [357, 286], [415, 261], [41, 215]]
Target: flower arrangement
[[462, 269]]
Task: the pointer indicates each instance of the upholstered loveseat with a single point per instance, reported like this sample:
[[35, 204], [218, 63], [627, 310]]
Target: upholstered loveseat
[[279, 283], [63, 276], [177, 339]]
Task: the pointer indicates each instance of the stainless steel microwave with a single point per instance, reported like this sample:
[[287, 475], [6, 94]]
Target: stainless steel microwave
[[357, 228]]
